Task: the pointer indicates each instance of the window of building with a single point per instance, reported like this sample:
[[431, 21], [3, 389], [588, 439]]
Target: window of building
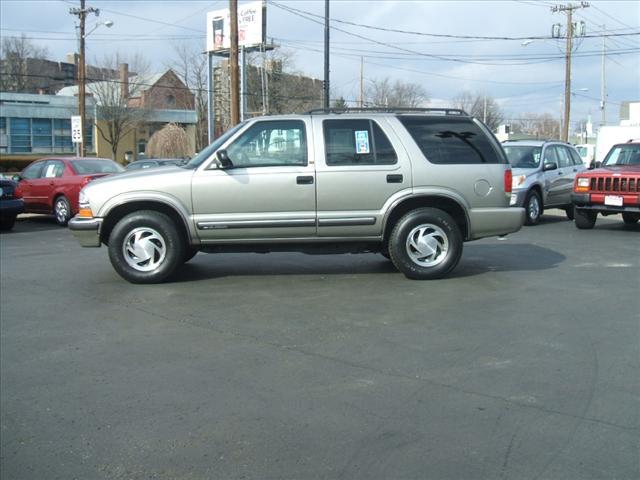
[[357, 142], [42, 135], [171, 101], [4, 139], [142, 148], [62, 135], [20, 135]]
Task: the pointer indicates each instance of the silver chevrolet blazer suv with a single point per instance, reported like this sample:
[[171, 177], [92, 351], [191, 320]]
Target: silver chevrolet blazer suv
[[410, 184]]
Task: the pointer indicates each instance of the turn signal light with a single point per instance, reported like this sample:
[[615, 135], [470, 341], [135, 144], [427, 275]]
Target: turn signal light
[[85, 213]]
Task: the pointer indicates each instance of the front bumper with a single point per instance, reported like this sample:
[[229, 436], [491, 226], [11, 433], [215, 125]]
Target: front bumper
[[517, 198], [586, 201], [86, 230]]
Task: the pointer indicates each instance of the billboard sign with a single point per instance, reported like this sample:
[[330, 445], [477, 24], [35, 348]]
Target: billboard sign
[[251, 27]]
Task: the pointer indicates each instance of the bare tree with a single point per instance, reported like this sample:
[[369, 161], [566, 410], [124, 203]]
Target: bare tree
[[117, 114], [383, 93], [481, 106], [190, 64], [537, 125], [15, 54], [169, 142]]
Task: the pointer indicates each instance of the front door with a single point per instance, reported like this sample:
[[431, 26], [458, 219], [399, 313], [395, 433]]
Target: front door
[[269, 192]]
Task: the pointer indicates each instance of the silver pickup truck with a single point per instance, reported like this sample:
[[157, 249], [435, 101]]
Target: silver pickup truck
[[412, 185]]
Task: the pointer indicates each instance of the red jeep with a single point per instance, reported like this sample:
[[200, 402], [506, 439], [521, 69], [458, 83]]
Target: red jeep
[[612, 188]]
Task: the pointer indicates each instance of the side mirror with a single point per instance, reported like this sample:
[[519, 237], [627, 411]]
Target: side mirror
[[598, 164], [592, 165], [550, 166], [223, 159], [16, 178]]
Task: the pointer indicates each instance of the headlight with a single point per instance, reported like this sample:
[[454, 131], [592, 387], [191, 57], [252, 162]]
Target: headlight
[[518, 180], [582, 184], [84, 208], [83, 199]]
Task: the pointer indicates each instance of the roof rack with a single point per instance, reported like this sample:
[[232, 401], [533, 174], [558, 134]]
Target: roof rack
[[441, 111]]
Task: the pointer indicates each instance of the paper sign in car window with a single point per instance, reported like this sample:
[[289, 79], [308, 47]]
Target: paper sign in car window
[[362, 141]]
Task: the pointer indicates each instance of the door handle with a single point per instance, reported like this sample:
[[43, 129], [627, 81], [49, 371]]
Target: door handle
[[394, 178], [305, 180]]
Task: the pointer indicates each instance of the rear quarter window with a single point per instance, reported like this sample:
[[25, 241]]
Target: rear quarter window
[[451, 140]]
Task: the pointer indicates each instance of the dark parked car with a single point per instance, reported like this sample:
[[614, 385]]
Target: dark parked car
[[52, 185], [154, 162], [11, 203]]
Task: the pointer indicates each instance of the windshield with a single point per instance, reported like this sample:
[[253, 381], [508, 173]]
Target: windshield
[[196, 161], [89, 167], [523, 156], [623, 155]]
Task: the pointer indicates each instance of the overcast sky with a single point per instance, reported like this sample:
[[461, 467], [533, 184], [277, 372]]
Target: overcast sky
[[523, 78]]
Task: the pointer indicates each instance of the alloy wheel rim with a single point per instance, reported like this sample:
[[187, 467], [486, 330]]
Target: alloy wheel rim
[[534, 208], [427, 245], [144, 249], [62, 211]]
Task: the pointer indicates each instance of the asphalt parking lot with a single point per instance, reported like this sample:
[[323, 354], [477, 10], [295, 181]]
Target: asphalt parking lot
[[524, 364]]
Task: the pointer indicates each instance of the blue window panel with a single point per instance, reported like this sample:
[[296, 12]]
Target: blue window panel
[[62, 124], [3, 123], [20, 126], [41, 126], [41, 141]]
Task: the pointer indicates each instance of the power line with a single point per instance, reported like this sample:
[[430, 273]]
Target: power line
[[303, 13]]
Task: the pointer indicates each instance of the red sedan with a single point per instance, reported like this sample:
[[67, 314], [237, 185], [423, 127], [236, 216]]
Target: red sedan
[[52, 185]]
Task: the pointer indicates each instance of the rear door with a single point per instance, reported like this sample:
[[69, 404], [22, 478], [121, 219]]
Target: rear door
[[361, 166]]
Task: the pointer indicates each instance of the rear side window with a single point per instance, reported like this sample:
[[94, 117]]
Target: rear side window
[[451, 140], [357, 142]]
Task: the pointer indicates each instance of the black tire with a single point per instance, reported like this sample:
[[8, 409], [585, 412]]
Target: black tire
[[146, 247], [585, 219], [532, 208], [440, 255], [7, 223], [570, 213], [62, 210], [630, 218], [189, 253]]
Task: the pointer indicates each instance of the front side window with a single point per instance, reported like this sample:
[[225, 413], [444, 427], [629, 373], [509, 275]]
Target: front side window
[[357, 142], [33, 171], [451, 140], [563, 157], [550, 155], [269, 144]]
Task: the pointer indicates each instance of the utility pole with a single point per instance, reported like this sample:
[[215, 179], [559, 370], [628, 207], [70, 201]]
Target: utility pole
[[603, 90], [326, 54], [233, 60], [569, 8], [82, 15], [361, 82]]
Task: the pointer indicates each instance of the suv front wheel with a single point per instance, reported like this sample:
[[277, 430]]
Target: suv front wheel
[[425, 244], [146, 247]]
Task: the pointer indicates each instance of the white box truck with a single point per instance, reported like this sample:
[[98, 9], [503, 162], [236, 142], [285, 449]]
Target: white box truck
[[610, 135]]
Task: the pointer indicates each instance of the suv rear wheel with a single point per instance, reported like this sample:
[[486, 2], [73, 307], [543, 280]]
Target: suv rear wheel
[[146, 247], [425, 244], [630, 218], [585, 219]]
